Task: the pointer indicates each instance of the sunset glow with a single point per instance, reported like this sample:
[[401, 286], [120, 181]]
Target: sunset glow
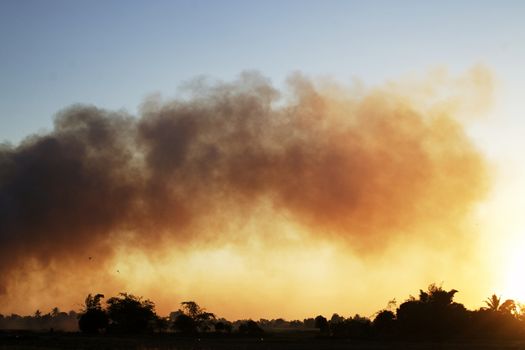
[[274, 160]]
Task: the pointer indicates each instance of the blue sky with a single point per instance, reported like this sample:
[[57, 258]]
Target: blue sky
[[114, 53]]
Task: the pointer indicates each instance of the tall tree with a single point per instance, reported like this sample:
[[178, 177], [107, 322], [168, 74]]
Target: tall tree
[[202, 319], [93, 318], [131, 314]]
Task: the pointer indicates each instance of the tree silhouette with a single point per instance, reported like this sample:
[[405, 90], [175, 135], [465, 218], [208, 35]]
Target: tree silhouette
[[356, 327], [437, 295], [55, 312], [161, 324], [131, 314], [322, 323], [498, 320], [223, 326], [191, 318], [493, 303], [93, 318], [433, 315], [509, 307], [336, 318], [250, 327], [184, 324], [384, 323]]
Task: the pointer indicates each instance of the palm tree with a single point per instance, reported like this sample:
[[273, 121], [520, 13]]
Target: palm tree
[[55, 311], [493, 303]]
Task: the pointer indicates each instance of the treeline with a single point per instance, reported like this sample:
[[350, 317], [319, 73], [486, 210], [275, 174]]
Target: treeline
[[432, 315], [53, 320], [127, 313]]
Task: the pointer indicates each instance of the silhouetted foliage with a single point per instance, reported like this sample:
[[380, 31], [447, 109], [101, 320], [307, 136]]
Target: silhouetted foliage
[[161, 324], [309, 323], [192, 318], [434, 315], [223, 326], [322, 324], [131, 314], [185, 324], [493, 303], [250, 327], [282, 324], [93, 319], [508, 307], [356, 327], [384, 323], [54, 320]]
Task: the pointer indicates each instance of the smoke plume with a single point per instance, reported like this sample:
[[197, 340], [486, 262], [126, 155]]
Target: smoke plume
[[363, 167]]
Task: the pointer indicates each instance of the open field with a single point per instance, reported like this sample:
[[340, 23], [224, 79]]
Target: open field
[[29, 341]]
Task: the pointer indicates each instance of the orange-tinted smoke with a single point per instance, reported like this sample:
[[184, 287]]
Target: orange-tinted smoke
[[363, 168]]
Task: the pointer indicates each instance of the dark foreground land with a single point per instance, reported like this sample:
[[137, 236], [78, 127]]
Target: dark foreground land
[[27, 341]]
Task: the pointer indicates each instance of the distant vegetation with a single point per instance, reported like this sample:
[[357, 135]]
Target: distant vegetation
[[432, 315], [54, 320]]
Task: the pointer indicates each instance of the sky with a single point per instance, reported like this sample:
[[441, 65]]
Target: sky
[[113, 53], [117, 54]]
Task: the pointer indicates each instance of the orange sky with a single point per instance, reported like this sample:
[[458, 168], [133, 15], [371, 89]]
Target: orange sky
[[255, 202]]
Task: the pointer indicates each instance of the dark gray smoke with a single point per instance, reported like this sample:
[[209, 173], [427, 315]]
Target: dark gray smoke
[[360, 168]]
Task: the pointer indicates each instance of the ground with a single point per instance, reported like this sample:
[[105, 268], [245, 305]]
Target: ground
[[29, 341]]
